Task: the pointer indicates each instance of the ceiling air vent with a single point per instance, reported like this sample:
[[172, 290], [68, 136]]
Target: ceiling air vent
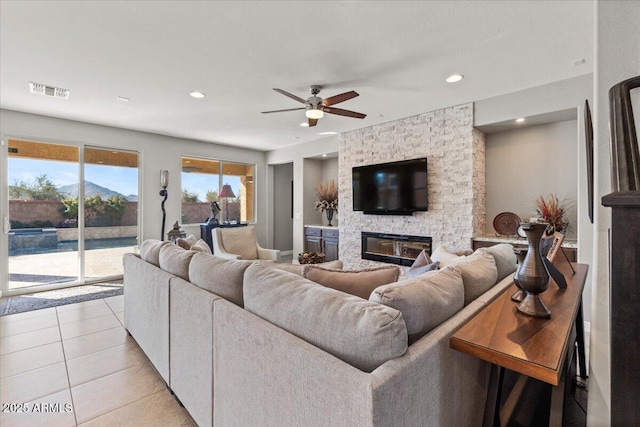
[[41, 89]]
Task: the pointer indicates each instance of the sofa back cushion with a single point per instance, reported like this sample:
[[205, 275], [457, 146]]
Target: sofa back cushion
[[361, 333], [150, 251], [298, 268], [175, 260], [355, 282], [223, 277], [240, 241], [479, 274], [424, 301], [504, 258]]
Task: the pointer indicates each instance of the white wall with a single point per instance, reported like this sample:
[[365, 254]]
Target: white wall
[[297, 154], [157, 153], [617, 56], [525, 163]]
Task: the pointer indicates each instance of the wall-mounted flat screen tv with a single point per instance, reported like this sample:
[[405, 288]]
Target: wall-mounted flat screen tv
[[397, 188]]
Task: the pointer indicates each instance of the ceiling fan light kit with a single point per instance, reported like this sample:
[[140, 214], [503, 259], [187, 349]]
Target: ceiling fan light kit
[[316, 107]]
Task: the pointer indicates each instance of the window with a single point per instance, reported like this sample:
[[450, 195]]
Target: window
[[229, 184]]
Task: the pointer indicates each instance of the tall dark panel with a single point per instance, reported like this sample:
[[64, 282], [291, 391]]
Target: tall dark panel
[[625, 307]]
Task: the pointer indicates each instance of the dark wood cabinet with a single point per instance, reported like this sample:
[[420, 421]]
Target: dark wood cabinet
[[624, 306], [322, 240]]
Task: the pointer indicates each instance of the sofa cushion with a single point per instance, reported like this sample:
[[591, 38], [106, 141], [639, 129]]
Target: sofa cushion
[[504, 258], [150, 251], [361, 333], [479, 274], [175, 260], [201, 246], [298, 268], [445, 257], [223, 277], [424, 301], [355, 282], [240, 241]]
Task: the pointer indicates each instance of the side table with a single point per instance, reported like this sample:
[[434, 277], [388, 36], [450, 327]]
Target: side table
[[535, 347]]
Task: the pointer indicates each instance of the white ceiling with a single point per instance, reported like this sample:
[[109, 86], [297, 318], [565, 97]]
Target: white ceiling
[[395, 54]]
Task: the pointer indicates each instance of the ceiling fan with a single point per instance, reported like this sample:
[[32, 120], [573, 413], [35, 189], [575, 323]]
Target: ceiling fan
[[316, 107]]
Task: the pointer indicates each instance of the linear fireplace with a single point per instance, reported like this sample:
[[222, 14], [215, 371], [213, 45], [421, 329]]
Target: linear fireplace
[[393, 248]]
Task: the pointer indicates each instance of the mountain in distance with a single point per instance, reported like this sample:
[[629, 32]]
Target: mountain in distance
[[92, 189]]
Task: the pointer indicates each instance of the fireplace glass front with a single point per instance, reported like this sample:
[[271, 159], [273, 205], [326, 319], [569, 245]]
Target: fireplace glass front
[[393, 248]]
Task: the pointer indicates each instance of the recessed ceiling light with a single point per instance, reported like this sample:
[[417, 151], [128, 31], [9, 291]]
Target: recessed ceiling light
[[304, 124], [122, 98], [324, 155], [197, 94], [454, 78], [520, 120], [328, 133]]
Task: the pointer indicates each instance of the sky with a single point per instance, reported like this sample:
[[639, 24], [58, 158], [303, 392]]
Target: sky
[[124, 180], [201, 183]]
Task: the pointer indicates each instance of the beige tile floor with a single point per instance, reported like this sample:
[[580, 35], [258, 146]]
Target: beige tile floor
[[77, 366]]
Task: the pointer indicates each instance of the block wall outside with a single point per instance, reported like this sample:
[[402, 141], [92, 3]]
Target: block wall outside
[[455, 155], [28, 211]]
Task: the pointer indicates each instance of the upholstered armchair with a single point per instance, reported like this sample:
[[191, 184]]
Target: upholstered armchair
[[240, 243]]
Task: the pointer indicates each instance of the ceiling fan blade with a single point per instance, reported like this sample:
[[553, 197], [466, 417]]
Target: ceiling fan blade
[[290, 95], [341, 112], [332, 100], [280, 111], [313, 122]]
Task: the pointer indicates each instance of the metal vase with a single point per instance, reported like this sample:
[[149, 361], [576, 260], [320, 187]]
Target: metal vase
[[329, 216], [520, 293], [533, 276]]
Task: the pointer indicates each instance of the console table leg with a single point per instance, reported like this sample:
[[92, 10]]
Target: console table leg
[[494, 395], [580, 339]]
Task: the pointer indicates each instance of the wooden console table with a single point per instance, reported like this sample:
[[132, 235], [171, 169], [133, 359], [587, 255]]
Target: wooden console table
[[534, 347]]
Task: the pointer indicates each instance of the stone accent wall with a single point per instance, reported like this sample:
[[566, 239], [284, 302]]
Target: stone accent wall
[[455, 155]]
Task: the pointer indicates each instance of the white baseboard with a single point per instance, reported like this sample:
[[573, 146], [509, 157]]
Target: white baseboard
[[286, 253]]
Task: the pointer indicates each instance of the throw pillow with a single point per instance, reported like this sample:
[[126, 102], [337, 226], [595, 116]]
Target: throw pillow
[[359, 332], [415, 272], [355, 282], [223, 277], [175, 260], [298, 268], [184, 243], [201, 246], [150, 251], [240, 241], [504, 258], [445, 257], [479, 274], [425, 301]]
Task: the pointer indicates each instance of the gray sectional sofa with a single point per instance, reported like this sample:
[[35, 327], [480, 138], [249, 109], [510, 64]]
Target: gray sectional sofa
[[243, 343]]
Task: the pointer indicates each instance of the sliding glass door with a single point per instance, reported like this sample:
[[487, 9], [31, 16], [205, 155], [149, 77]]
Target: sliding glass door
[[40, 176], [72, 214], [110, 210]]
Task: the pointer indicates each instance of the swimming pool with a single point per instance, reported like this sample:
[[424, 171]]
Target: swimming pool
[[72, 245]]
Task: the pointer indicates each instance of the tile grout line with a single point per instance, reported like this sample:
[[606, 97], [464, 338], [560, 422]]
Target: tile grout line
[[66, 368], [123, 406]]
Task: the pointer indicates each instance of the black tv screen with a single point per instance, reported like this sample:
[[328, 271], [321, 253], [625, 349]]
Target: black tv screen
[[391, 188]]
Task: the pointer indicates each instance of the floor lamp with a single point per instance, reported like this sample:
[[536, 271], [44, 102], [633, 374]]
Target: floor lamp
[[225, 194]]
